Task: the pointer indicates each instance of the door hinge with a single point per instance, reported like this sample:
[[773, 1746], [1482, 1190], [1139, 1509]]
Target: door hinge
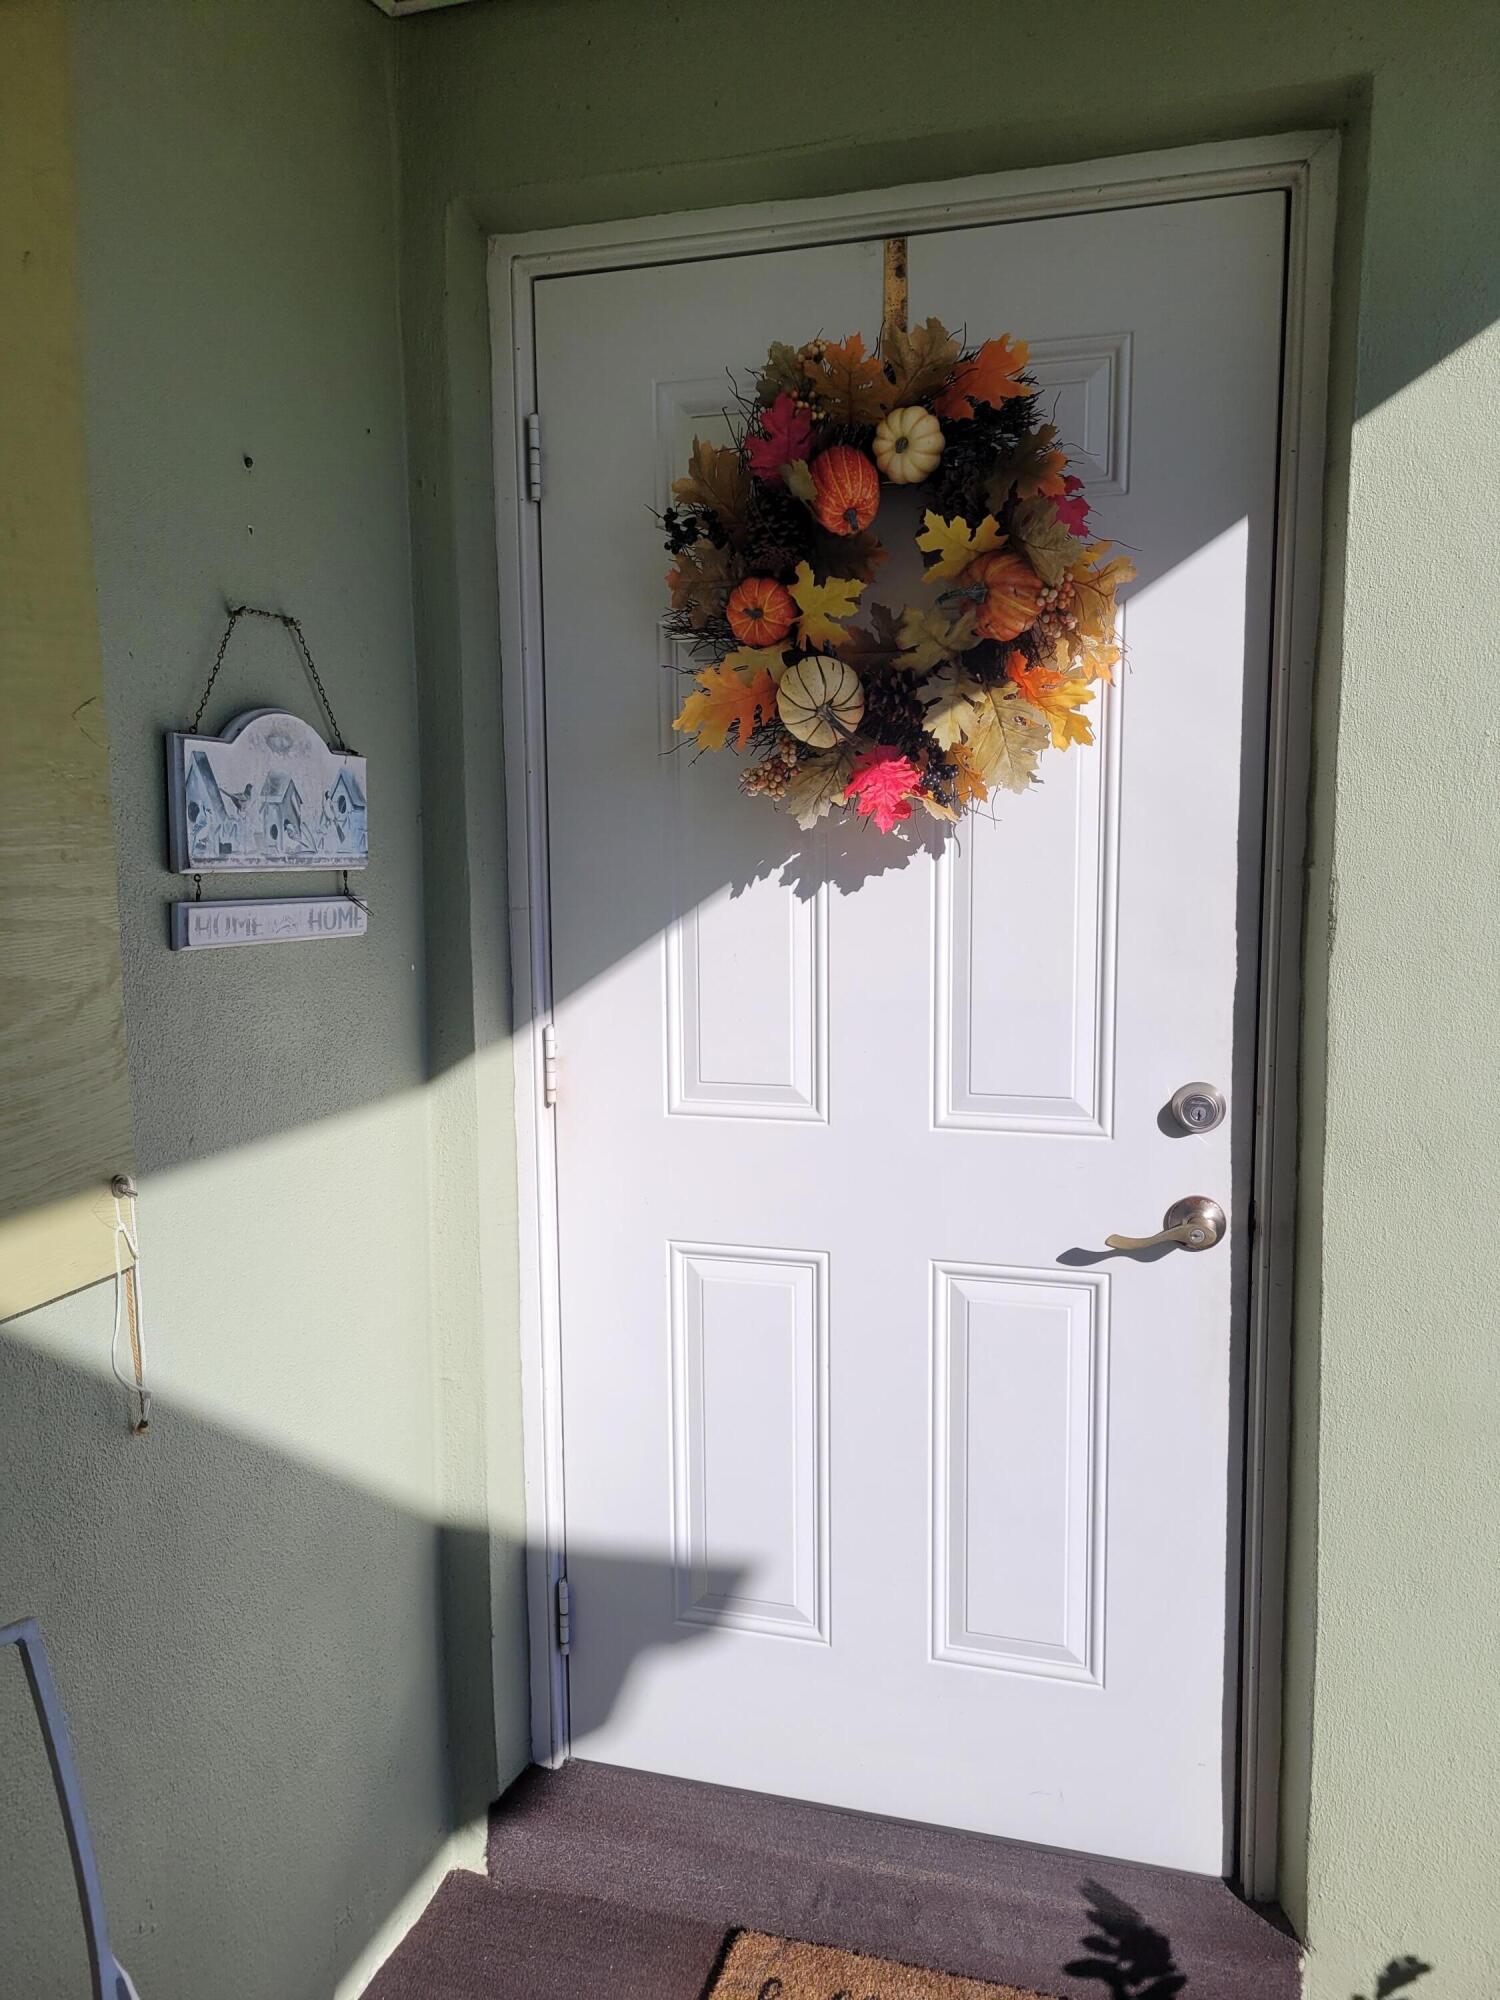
[[564, 1616], [549, 1065], [533, 457]]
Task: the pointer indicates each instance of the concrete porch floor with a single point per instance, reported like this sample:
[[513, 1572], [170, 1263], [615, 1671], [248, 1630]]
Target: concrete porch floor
[[604, 1881]]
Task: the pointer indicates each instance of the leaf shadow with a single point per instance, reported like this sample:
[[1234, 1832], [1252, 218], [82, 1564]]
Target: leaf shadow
[[1398, 1975], [1130, 1958]]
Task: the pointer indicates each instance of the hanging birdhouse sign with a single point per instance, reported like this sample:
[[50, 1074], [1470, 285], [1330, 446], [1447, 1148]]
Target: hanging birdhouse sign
[[266, 795]]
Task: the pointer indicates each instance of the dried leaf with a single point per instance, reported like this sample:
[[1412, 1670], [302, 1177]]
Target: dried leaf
[[818, 784], [824, 606], [1094, 585], [1033, 466], [937, 808], [970, 787], [727, 698], [715, 479], [955, 543], [701, 582], [1057, 696], [993, 376], [928, 638], [785, 436], [858, 555], [798, 481], [1006, 741], [882, 786], [921, 362], [878, 645], [954, 704], [851, 385], [1047, 543], [782, 375]]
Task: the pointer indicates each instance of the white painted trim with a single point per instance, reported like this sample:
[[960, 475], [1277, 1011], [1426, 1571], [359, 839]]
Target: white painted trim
[[1312, 215], [1305, 166]]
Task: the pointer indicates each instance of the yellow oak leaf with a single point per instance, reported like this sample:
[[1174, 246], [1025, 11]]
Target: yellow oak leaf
[[1057, 696], [1043, 539], [1094, 585], [1092, 658], [725, 699], [824, 605], [1006, 741], [993, 376], [851, 385], [818, 784], [954, 705], [955, 543]]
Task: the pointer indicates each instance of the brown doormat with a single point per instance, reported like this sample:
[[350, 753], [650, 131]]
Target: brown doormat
[[775, 1968]]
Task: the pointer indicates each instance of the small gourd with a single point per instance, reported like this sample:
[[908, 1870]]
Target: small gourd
[[846, 488], [1007, 594], [908, 444], [820, 700], [760, 611]]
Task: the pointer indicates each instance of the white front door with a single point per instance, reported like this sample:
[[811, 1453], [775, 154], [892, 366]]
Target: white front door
[[884, 1485]]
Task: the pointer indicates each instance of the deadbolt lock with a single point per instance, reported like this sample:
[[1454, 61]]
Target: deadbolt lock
[[1198, 1107]]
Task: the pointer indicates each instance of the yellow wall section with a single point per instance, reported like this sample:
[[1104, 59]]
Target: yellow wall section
[[64, 1098]]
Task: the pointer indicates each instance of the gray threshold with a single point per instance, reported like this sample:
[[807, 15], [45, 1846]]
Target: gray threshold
[[624, 1883]]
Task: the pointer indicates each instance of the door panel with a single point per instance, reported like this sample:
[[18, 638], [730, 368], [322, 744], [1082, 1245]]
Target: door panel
[[883, 1485]]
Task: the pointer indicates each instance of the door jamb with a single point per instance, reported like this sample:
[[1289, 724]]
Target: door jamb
[[1305, 167]]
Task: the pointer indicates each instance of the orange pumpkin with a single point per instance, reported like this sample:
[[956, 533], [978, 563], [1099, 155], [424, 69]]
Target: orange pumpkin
[[760, 611], [1007, 592], [847, 487]]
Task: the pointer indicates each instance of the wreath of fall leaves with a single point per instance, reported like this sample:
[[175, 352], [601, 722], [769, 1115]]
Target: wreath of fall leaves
[[950, 710]]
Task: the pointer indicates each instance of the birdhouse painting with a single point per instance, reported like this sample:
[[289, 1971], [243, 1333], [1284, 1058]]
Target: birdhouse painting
[[267, 794]]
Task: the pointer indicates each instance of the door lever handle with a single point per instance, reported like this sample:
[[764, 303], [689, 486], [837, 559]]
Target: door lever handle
[[1195, 1222]]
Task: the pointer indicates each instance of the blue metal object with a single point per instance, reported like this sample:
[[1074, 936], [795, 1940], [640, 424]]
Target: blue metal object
[[110, 1981]]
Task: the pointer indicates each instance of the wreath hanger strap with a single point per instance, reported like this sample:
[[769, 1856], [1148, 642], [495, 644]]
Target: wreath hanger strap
[[893, 318], [236, 613]]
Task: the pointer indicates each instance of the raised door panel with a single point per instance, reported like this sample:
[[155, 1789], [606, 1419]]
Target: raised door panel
[[1019, 1405], [746, 972], [749, 1457]]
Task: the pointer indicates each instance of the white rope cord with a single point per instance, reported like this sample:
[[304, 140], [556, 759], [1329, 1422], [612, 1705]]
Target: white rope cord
[[128, 1305]]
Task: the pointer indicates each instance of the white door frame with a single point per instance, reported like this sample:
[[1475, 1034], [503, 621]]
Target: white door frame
[[1305, 165]]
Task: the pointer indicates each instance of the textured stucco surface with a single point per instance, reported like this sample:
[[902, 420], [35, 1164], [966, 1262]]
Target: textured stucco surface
[[247, 1610], [540, 112]]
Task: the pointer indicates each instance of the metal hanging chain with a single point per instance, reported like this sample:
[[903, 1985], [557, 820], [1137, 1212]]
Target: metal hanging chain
[[236, 613]]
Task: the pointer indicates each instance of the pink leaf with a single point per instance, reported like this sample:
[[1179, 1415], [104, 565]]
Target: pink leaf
[[1071, 507], [786, 433], [881, 786]]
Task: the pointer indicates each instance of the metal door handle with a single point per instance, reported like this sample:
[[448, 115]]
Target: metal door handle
[[1195, 1222]]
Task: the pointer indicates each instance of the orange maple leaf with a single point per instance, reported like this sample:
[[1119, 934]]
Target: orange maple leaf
[[991, 377], [1058, 696], [725, 700]]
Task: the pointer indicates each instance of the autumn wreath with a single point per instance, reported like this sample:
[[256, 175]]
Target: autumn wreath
[[932, 704]]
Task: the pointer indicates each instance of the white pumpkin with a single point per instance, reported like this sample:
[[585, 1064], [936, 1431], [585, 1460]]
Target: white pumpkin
[[908, 444], [820, 700]]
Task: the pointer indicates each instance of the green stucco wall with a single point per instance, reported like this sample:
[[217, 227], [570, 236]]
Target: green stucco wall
[[254, 1611], [538, 112], [270, 1617]]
